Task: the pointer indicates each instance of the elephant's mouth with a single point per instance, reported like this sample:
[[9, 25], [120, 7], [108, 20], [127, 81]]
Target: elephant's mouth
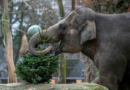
[[57, 52], [58, 49]]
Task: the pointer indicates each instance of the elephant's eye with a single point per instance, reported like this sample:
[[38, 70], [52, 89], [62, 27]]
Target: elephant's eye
[[62, 26]]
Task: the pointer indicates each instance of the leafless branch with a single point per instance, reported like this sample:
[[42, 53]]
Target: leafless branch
[[26, 4]]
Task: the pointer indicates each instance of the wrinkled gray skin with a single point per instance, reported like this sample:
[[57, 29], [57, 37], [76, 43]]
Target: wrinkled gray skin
[[103, 38]]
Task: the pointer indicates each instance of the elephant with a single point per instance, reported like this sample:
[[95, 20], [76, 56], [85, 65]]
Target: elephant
[[104, 38]]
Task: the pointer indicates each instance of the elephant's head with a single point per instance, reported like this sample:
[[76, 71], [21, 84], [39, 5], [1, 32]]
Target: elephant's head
[[72, 31]]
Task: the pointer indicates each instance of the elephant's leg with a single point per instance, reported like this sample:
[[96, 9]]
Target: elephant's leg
[[111, 64], [111, 73], [109, 80]]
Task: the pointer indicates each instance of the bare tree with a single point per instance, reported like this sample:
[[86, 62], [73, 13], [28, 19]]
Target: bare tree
[[62, 60], [8, 43], [73, 4], [20, 36], [90, 68]]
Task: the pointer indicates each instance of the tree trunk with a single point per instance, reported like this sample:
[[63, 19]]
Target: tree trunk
[[110, 7], [1, 35], [8, 43], [90, 69], [73, 4], [19, 36], [62, 69], [61, 8], [99, 6], [62, 60]]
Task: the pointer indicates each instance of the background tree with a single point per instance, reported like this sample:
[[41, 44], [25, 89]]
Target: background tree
[[89, 67], [123, 6], [8, 43], [106, 6], [73, 4], [19, 34], [62, 60]]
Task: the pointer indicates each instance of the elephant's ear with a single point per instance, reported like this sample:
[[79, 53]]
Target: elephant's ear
[[88, 31]]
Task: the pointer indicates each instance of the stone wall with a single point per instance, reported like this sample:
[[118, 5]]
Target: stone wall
[[26, 86]]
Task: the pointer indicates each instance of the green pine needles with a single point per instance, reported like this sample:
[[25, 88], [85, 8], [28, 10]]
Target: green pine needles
[[37, 69]]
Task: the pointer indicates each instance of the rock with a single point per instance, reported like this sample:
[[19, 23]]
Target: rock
[[27, 86]]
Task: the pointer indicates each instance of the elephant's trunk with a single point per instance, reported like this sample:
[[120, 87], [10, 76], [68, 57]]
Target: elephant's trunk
[[34, 42]]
